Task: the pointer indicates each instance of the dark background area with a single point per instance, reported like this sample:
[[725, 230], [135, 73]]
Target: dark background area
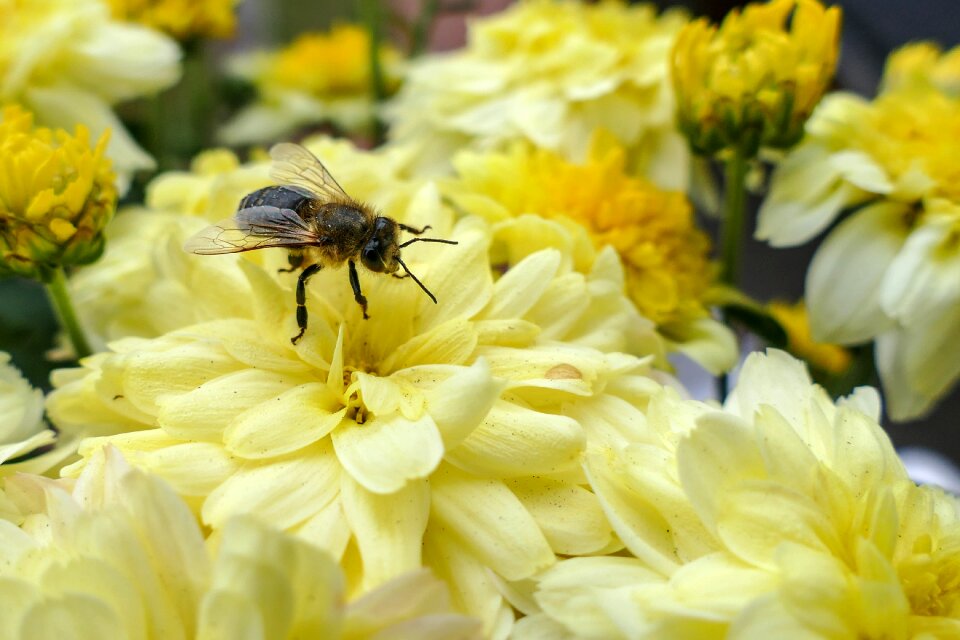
[[871, 29]]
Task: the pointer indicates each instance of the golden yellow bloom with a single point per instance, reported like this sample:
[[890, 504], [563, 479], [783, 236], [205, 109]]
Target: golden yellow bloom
[[887, 272], [56, 196], [448, 418], [117, 554], [319, 77], [68, 62], [753, 82], [549, 72], [781, 515], [665, 255], [182, 19], [795, 320]]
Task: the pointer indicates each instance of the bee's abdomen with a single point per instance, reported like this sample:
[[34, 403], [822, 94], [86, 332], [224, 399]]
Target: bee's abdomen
[[280, 197]]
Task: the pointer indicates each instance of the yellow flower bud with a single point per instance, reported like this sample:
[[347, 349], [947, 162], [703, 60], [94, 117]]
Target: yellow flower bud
[[182, 19], [754, 81], [56, 195]]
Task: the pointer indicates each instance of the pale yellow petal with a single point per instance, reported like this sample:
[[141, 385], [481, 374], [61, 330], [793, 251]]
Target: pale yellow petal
[[523, 285], [461, 401], [570, 517]]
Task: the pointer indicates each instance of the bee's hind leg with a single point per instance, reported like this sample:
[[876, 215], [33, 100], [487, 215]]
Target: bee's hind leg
[[413, 230], [305, 275], [357, 294], [295, 259]]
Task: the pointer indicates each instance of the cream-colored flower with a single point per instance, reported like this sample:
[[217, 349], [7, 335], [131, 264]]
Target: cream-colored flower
[[182, 19], [887, 272], [68, 61], [318, 78], [783, 515], [22, 429], [669, 276], [550, 73], [449, 419], [117, 554]]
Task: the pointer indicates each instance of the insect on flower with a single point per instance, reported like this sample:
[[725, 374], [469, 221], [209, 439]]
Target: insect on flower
[[312, 216]]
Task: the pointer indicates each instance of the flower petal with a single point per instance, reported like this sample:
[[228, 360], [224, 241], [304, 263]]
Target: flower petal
[[459, 403], [523, 285], [569, 516]]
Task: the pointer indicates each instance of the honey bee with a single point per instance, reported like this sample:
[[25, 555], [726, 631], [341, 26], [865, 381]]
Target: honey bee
[[312, 216]]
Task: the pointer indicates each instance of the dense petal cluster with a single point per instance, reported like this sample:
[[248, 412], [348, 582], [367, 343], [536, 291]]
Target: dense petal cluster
[[549, 72], [887, 272], [318, 78], [783, 515], [69, 61], [665, 256], [451, 419], [22, 429], [182, 19], [117, 554], [57, 194], [754, 81]]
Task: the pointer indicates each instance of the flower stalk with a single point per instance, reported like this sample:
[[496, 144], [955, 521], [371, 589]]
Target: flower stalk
[[370, 9], [421, 28], [60, 298], [731, 234]]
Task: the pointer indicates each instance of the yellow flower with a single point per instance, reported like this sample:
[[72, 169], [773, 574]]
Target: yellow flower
[[182, 19], [68, 62], [886, 273], [118, 554], [753, 81], [665, 256], [922, 64], [56, 195], [794, 319], [550, 73], [22, 429], [781, 515], [447, 418], [319, 77]]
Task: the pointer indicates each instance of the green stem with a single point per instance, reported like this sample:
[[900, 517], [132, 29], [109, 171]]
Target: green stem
[[731, 234], [378, 87], [60, 297], [421, 29]]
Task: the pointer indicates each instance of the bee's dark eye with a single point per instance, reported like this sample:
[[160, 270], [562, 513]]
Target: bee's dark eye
[[370, 256]]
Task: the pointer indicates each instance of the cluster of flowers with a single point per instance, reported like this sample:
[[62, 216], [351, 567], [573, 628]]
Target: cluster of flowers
[[516, 460]]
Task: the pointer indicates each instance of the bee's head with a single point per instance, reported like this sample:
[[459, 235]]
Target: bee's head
[[381, 252]]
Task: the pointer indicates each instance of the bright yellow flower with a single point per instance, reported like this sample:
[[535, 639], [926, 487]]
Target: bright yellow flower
[[450, 419], [56, 196], [795, 320], [753, 81], [182, 19], [319, 77], [665, 255], [783, 515], [549, 72], [887, 272], [923, 64], [118, 554], [69, 61]]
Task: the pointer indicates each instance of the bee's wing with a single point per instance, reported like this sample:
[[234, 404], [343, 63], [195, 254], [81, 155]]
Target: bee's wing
[[294, 165], [253, 228]]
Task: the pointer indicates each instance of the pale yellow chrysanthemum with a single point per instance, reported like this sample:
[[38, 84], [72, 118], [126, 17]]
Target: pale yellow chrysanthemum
[[449, 419], [68, 61], [22, 429], [795, 320], [754, 81], [318, 78], [665, 256], [550, 73], [783, 515], [57, 193], [887, 272], [117, 554], [182, 19]]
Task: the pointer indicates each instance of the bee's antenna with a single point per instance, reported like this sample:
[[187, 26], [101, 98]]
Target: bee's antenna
[[409, 242], [415, 279]]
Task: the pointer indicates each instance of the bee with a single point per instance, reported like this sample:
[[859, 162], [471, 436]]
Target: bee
[[312, 216]]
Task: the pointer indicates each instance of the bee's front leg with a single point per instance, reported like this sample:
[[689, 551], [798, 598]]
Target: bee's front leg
[[357, 294], [295, 258], [305, 275], [413, 230]]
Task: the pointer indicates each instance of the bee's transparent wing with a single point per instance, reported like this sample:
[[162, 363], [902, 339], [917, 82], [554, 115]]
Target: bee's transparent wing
[[294, 165], [253, 228]]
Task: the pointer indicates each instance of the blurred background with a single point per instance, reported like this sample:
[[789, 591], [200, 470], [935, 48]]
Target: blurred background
[[871, 29]]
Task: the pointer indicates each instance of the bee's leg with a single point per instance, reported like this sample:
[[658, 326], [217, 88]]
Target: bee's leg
[[295, 258], [413, 230], [400, 277], [305, 275], [357, 294]]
